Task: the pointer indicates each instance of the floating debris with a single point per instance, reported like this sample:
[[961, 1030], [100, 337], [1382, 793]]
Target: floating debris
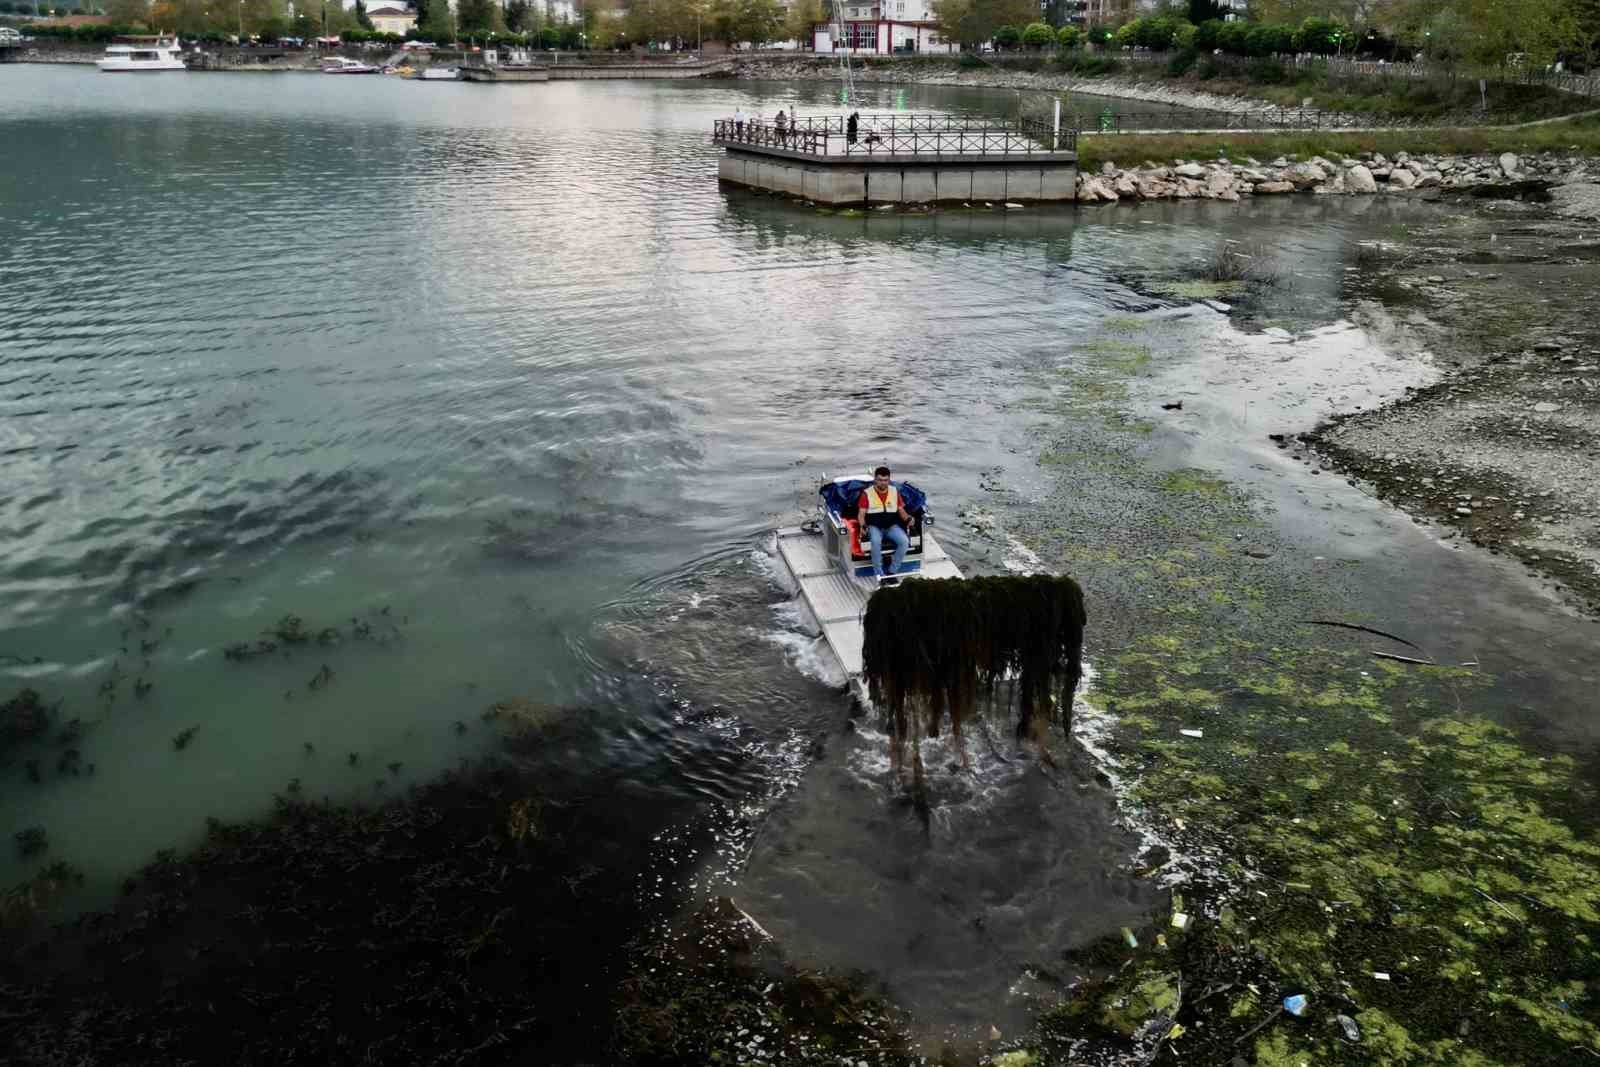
[[22, 718], [181, 742], [32, 841], [1295, 1005]]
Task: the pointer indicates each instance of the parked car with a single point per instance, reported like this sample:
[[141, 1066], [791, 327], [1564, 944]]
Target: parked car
[[10, 36], [418, 46]]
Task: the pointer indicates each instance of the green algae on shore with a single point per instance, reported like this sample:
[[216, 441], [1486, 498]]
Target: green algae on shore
[[1354, 829]]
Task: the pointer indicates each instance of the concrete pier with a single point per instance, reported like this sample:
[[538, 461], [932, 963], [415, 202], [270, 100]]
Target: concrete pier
[[900, 159]]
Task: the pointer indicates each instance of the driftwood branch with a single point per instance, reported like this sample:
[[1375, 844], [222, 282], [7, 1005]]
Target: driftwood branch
[[1402, 659], [1363, 629]]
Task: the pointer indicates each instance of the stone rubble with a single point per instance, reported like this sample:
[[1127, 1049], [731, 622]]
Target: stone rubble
[[1369, 174]]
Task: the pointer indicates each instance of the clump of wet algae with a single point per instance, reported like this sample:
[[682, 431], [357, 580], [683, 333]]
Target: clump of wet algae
[[480, 918], [1358, 831], [934, 650]]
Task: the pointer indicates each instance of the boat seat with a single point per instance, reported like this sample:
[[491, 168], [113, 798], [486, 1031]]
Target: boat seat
[[861, 547]]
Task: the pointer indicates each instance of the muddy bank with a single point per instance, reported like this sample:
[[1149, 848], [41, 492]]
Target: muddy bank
[[1504, 453], [1370, 854]]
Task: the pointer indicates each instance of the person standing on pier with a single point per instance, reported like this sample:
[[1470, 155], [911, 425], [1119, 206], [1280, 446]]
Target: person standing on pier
[[738, 123], [881, 512], [782, 124]]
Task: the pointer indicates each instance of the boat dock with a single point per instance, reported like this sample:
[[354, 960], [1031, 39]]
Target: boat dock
[[900, 159], [838, 601]]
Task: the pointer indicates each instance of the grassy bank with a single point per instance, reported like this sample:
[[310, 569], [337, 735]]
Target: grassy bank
[[1580, 136], [1430, 101]]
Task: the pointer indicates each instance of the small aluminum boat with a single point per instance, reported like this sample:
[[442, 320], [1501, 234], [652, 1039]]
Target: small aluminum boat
[[830, 564]]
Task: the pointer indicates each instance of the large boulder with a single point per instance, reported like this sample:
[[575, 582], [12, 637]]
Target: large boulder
[[1220, 186], [1429, 179], [1508, 164], [1092, 190], [1360, 180], [1124, 186], [1152, 188], [1190, 170], [1305, 175], [1108, 169], [1275, 187], [1188, 188], [1401, 178]]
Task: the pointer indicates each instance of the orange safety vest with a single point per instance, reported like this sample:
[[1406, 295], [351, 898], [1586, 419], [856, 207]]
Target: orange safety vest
[[889, 505]]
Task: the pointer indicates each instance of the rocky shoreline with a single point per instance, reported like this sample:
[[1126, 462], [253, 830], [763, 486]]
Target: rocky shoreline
[[911, 72], [1504, 176]]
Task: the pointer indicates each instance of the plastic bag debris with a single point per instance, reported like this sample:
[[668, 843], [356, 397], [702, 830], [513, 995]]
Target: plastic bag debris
[[1127, 935], [1352, 1032], [1295, 1005], [1180, 920], [1192, 733], [1382, 976]]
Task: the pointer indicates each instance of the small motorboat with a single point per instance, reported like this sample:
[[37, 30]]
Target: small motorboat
[[829, 561], [342, 65], [439, 74]]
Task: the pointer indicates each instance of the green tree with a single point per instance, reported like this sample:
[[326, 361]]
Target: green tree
[[1068, 37], [972, 22], [128, 12], [362, 18], [802, 20], [516, 13], [1038, 35], [440, 25], [478, 17], [1007, 37], [736, 21]]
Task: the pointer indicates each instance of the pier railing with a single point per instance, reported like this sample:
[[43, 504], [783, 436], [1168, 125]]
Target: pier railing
[[897, 135]]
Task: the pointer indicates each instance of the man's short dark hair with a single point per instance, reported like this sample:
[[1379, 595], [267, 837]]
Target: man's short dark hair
[[881, 470]]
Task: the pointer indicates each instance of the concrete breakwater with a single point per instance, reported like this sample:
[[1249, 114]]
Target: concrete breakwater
[[1367, 174]]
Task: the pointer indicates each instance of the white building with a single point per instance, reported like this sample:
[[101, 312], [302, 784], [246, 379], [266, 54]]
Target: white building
[[883, 27], [559, 11]]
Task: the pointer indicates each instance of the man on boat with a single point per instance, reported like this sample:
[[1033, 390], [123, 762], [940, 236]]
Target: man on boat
[[881, 514]]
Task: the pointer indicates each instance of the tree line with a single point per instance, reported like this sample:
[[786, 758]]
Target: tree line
[[1480, 32]]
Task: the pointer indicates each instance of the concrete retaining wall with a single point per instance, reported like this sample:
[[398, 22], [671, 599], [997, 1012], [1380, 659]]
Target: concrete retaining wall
[[576, 72], [900, 183]]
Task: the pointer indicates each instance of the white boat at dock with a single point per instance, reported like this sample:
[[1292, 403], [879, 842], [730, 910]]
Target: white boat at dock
[[343, 65], [142, 54], [828, 561], [439, 74]]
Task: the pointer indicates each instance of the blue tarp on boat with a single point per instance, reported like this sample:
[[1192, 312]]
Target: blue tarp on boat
[[842, 497]]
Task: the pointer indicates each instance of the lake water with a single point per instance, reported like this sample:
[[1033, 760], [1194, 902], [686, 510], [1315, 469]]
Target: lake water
[[500, 395]]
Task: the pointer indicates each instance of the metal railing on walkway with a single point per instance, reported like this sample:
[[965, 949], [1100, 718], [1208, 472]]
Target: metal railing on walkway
[[897, 135]]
